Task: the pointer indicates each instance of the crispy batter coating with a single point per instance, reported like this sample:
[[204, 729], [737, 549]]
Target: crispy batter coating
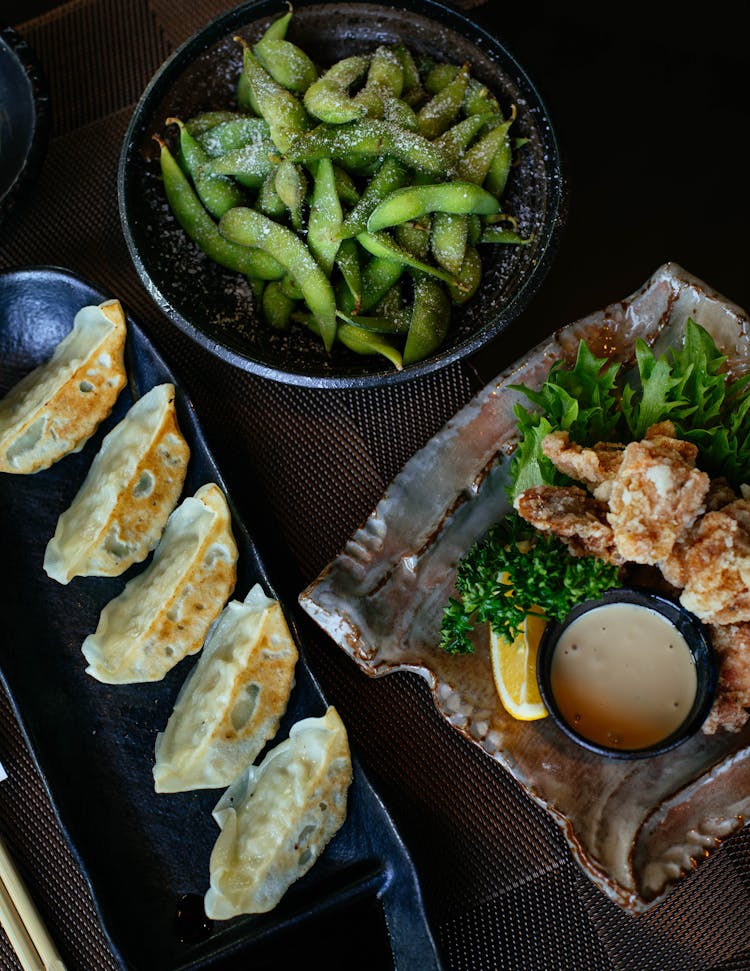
[[717, 566], [592, 466], [655, 498], [574, 516], [732, 644]]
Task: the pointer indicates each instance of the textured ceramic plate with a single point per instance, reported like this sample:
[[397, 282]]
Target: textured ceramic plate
[[146, 854], [635, 827], [215, 307], [24, 118]]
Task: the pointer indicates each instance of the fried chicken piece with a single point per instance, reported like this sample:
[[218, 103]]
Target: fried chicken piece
[[570, 513], [656, 496], [595, 467], [717, 566], [732, 645]]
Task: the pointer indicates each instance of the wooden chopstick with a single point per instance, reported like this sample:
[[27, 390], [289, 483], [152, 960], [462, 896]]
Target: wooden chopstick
[[26, 932]]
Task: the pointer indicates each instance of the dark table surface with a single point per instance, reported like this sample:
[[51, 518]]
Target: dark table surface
[[649, 102]]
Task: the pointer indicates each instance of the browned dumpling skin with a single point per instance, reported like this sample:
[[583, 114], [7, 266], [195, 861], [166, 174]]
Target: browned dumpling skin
[[134, 483], [58, 406], [164, 613]]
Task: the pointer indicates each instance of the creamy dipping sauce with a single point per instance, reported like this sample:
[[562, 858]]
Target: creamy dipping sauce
[[623, 676]]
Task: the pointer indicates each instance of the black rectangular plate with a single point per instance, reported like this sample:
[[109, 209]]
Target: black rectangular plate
[[142, 852]]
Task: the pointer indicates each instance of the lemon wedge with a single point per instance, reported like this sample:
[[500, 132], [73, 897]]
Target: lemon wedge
[[514, 670]]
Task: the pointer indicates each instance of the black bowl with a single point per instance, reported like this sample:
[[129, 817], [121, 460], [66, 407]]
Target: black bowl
[[24, 119], [697, 640], [213, 306]]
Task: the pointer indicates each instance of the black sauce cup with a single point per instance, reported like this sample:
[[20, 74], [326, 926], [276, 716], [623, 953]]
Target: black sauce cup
[[697, 639]]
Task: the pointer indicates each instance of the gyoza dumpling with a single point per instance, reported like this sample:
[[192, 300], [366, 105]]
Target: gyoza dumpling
[[56, 408], [164, 613], [133, 485], [233, 699], [277, 818]]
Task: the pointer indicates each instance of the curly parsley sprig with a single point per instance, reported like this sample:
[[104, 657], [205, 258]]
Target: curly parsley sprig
[[516, 571]]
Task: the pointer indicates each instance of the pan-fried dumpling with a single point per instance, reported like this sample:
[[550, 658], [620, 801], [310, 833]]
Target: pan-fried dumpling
[[278, 817], [164, 613], [233, 699], [133, 485], [58, 406]]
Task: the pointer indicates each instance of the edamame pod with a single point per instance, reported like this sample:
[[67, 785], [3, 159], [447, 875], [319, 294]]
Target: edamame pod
[[470, 276], [200, 227], [199, 124], [390, 176], [250, 228], [436, 116], [252, 162], [287, 63], [370, 137], [234, 133], [496, 234], [430, 318], [217, 193], [381, 245], [291, 186], [476, 161], [413, 202], [448, 240], [285, 115], [277, 307], [324, 222], [328, 97], [347, 260]]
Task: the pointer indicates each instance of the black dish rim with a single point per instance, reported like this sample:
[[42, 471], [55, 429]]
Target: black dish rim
[[31, 67]]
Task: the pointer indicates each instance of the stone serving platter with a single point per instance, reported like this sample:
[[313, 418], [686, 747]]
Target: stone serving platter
[[636, 827]]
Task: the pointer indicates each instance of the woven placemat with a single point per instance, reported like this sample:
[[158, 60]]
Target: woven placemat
[[500, 886]]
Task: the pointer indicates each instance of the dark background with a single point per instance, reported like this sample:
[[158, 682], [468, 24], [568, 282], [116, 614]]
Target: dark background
[[649, 102]]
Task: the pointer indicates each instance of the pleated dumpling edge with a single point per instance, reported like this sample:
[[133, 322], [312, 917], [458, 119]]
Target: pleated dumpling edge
[[278, 817], [133, 484], [165, 612], [232, 701], [58, 406]]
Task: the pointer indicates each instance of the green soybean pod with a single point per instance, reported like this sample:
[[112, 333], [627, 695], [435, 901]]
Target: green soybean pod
[[216, 193], [200, 124], [239, 131], [378, 276], [414, 237], [476, 161], [442, 108], [496, 234], [276, 306], [379, 244], [324, 222], [468, 279], [251, 162], [285, 115], [347, 260], [250, 228], [287, 64], [365, 342], [390, 175], [200, 227], [448, 240], [499, 170], [291, 186], [458, 137], [397, 323], [345, 187], [269, 202], [371, 137], [413, 202], [328, 98], [430, 319]]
